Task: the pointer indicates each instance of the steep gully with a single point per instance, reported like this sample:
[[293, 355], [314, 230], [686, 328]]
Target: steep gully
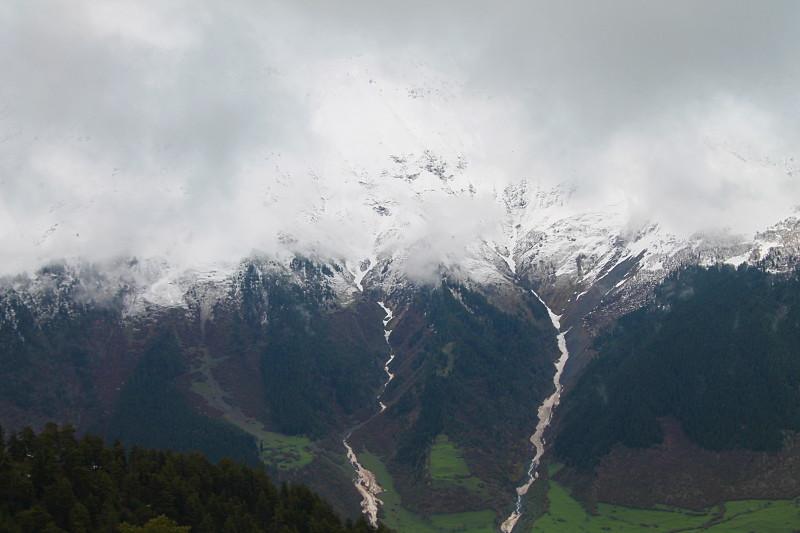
[[365, 481], [545, 416]]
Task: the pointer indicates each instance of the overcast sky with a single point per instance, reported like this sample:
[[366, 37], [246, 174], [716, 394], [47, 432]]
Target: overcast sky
[[203, 128]]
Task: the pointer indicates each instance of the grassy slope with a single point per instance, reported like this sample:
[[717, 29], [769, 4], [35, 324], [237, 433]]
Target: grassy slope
[[447, 467], [275, 449], [394, 515], [566, 515], [472, 522], [286, 451]]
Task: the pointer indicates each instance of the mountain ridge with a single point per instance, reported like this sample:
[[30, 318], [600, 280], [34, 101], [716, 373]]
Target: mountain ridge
[[291, 344]]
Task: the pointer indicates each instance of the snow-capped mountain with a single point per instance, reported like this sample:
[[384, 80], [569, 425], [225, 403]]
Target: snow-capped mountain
[[375, 242], [294, 341], [322, 266], [547, 238]]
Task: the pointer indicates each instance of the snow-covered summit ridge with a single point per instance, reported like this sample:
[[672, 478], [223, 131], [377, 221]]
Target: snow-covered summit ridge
[[777, 248], [384, 157], [136, 287], [417, 216]]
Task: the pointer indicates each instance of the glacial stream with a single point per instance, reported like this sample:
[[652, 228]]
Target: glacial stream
[[365, 481], [545, 416]]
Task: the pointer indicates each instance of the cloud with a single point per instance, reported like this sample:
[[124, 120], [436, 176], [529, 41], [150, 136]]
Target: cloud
[[203, 131]]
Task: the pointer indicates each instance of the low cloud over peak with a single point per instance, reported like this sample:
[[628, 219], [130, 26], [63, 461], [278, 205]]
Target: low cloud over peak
[[200, 131]]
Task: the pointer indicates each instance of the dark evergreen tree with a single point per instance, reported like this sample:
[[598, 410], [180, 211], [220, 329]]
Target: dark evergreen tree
[[91, 487], [717, 348]]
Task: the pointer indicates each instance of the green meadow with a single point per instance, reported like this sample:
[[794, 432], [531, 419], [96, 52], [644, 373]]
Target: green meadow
[[567, 515], [447, 467], [394, 515], [471, 522], [284, 451]]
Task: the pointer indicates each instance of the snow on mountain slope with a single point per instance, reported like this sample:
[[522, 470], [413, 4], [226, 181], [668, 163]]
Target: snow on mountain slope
[[554, 239], [568, 248], [135, 288], [405, 183], [777, 248], [410, 168]]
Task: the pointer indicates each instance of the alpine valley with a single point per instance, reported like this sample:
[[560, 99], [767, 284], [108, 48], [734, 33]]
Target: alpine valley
[[424, 388]]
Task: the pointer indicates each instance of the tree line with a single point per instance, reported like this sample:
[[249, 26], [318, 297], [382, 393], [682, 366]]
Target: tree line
[[55, 482]]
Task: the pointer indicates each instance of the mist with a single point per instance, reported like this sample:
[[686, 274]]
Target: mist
[[204, 131]]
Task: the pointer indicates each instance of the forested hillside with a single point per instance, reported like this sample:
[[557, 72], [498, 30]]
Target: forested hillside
[[477, 359], [273, 351], [275, 368], [469, 366], [717, 349], [152, 412], [55, 483]]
